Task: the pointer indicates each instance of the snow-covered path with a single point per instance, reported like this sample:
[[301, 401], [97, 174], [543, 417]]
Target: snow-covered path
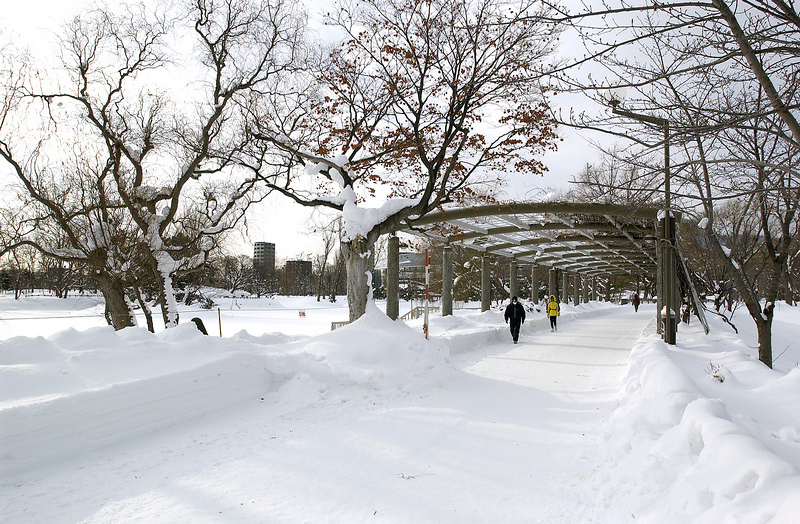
[[554, 390], [510, 435]]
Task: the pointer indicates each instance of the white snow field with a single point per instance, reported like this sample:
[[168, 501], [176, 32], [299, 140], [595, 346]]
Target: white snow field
[[282, 420]]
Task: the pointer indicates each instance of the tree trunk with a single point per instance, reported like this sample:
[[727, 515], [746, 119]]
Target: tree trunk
[[762, 318], [765, 335], [358, 254], [117, 307], [788, 294], [320, 283], [169, 304], [148, 314]]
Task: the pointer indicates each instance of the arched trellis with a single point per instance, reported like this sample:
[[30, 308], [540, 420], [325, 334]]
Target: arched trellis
[[587, 239], [594, 239]]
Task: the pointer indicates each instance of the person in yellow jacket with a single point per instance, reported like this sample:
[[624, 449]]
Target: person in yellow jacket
[[553, 311]]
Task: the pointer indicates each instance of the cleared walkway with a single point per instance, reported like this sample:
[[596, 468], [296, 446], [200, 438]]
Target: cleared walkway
[[550, 393]]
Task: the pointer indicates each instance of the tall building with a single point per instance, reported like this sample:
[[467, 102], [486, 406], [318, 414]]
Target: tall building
[[264, 256]]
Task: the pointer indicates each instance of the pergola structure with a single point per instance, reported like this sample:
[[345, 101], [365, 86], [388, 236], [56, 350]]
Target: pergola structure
[[584, 241]]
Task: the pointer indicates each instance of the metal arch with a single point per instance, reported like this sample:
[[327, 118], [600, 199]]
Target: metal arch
[[523, 208], [592, 239]]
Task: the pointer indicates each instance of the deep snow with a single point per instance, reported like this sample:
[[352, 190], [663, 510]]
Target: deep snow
[[282, 420]]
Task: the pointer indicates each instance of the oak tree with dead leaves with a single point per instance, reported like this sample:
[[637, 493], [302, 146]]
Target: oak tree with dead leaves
[[422, 103]]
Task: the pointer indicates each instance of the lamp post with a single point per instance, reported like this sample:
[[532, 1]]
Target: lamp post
[[666, 227]]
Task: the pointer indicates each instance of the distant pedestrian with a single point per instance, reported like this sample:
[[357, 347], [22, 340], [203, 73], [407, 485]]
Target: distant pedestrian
[[515, 317], [553, 311], [635, 300]]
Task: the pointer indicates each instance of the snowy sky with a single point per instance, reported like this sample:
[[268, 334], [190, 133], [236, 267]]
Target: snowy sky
[[35, 23]]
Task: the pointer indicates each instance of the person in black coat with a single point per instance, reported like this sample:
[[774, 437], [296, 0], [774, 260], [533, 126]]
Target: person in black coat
[[515, 317]]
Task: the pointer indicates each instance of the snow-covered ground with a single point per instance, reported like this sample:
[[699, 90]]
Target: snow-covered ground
[[283, 420]]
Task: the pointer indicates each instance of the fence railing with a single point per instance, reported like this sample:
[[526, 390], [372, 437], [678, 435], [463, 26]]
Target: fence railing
[[418, 312]]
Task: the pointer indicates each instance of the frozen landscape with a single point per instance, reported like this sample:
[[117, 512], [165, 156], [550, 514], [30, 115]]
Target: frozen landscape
[[283, 420]]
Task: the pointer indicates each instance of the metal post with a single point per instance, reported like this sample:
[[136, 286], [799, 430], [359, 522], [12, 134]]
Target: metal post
[[671, 313], [427, 289], [447, 282], [660, 277], [670, 322], [594, 288], [486, 283], [512, 287], [535, 284], [565, 287], [667, 303], [393, 278], [576, 291], [552, 289], [666, 232]]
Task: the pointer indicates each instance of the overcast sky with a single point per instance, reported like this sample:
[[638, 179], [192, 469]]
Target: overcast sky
[[35, 22]]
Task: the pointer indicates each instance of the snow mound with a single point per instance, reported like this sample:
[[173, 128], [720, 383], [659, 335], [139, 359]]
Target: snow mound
[[677, 455], [57, 427], [81, 390], [373, 352], [89, 389]]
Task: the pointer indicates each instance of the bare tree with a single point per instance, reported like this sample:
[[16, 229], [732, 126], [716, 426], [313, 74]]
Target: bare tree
[[235, 272], [330, 231], [66, 216], [161, 159], [337, 279], [720, 79], [617, 179]]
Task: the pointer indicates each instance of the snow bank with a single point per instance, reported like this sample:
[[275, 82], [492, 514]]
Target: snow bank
[[78, 390], [62, 426], [373, 354], [684, 446], [89, 389]]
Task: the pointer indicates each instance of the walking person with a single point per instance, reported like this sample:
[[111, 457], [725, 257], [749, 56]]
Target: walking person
[[635, 300], [515, 313], [553, 311]]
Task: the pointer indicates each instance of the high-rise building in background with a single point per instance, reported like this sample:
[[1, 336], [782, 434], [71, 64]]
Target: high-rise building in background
[[264, 256]]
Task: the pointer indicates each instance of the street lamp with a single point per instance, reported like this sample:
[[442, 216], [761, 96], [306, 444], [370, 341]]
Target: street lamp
[[666, 228]]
